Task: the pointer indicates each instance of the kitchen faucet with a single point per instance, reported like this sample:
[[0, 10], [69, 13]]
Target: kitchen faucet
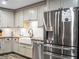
[[30, 31]]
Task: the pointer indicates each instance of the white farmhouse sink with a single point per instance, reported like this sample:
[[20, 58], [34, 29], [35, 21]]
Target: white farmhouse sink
[[25, 40]]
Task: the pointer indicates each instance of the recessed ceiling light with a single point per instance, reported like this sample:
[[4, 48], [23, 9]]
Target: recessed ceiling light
[[4, 2]]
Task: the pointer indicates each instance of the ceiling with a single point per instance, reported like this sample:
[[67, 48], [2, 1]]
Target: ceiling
[[15, 4]]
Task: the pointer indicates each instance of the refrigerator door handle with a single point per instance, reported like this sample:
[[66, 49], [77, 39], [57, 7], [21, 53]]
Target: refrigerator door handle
[[58, 21], [59, 47], [56, 17], [56, 55]]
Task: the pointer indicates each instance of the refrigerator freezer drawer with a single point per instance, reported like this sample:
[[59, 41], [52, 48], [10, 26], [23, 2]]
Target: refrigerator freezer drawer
[[48, 55], [52, 50], [64, 50], [72, 52], [54, 57]]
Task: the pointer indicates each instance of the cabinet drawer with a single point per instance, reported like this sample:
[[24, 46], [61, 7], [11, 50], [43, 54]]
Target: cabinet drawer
[[28, 52]]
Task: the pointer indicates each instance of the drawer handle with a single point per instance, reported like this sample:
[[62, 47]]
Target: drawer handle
[[59, 56]]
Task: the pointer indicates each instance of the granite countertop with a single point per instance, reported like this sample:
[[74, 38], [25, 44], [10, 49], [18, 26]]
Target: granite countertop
[[33, 38], [37, 38], [8, 37]]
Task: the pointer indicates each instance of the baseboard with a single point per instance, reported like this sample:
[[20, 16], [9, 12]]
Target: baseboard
[[21, 55], [14, 53], [6, 53]]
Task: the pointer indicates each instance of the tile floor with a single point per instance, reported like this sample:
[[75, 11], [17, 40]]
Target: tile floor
[[12, 56]]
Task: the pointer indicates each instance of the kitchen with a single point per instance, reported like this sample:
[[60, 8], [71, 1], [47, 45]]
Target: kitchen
[[38, 29]]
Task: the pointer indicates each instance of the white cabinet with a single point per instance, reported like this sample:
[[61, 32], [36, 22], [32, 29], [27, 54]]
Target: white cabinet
[[1, 46], [7, 44], [35, 13], [19, 18], [10, 19], [55, 4], [25, 50], [0, 18], [41, 10], [6, 18], [15, 45], [3, 19], [69, 3], [28, 51], [30, 13], [21, 49]]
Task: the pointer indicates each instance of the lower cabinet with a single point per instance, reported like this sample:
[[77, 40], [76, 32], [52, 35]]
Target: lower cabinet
[[25, 50], [1, 48], [12, 45], [6, 46], [28, 51], [15, 44], [21, 49]]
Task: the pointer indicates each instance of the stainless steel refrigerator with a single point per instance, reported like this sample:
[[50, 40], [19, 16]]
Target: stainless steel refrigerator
[[61, 33]]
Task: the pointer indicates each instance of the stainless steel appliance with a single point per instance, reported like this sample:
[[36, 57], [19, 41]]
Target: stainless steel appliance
[[37, 49], [61, 34]]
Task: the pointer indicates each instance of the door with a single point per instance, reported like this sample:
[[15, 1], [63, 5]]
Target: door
[[69, 27], [52, 21]]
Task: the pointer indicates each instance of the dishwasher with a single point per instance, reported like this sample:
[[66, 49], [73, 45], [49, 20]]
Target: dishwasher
[[37, 50]]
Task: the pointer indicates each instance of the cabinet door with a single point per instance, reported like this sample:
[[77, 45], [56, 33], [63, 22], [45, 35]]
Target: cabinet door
[[6, 18], [30, 14], [69, 3], [41, 10], [3, 18], [7, 45], [21, 49], [0, 18], [15, 45], [19, 18], [25, 50], [26, 14], [10, 19], [28, 51], [55, 4], [1, 46]]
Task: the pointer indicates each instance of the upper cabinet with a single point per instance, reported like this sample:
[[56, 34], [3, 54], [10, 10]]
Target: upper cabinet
[[40, 17], [19, 18], [25, 14], [6, 18], [55, 4], [10, 19], [30, 13], [69, 3]]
